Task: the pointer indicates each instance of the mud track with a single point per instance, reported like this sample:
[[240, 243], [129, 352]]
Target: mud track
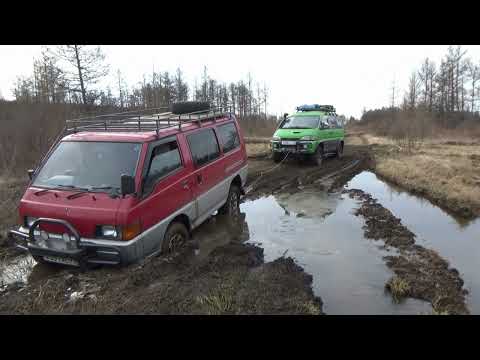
[[292, 175], [422, 272]]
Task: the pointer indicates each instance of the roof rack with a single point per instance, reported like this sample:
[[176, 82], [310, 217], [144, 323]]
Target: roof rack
[[317, 107], [153, 119]]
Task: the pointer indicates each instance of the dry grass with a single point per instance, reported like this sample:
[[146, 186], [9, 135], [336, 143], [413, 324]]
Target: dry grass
[[216, 304], [398, 287], [11, 190], [310, 308], [446, 171], [257, 149]]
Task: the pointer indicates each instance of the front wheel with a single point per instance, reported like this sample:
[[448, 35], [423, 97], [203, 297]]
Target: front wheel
[[278, 156], [317, 158], [340, 151], [176, 237]]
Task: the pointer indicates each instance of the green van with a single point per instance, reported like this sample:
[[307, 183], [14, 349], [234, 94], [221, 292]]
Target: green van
[[313, 132]]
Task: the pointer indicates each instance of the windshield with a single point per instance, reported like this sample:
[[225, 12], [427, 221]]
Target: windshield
[[300, 122], [83, 164]]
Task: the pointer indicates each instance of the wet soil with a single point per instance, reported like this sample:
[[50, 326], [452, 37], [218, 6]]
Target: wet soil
[[292, 175], [233, 279], [426, 275]]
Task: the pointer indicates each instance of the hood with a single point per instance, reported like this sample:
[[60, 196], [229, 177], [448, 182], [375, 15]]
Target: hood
[[295, 133], [83, 212]]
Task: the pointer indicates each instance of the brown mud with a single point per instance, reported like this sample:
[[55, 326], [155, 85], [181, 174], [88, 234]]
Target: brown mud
[[425, 275], [233, 279]]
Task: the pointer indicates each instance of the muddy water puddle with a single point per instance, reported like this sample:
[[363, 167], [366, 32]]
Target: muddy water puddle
[[320, 232], [23, 269], [455, 239]]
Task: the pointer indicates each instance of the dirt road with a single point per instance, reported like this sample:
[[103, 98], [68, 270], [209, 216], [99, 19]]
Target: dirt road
[[230, 276]]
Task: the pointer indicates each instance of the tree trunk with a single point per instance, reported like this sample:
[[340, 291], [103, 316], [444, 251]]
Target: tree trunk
[[80, 76]]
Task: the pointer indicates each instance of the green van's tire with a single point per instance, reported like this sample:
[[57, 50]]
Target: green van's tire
[[277, 157], [317, 158], [340, 150]]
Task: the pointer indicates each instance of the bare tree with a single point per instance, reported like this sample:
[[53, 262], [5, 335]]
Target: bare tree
[[474, 76], [426, 76], [85, 66], [181, 87], [413, 90]]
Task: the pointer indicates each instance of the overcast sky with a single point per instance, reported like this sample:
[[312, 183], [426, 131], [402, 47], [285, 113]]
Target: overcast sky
[[349, 77]]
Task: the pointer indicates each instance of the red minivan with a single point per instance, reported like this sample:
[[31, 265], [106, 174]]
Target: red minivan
[[117, 188]]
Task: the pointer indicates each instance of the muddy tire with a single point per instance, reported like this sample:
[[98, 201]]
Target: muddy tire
[[186, 107], [175, 238], [317, 158], [340, 150], [277, 157], [231, 208]]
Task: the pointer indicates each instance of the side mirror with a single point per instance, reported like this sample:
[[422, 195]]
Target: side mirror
[[30, 173], [127, 185]]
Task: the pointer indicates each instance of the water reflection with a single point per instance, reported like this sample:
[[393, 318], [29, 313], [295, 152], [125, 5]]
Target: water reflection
[[455, 239], [327, 241]]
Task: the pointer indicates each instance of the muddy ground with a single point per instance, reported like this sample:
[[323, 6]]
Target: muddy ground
[[419, 272], [233, 278]]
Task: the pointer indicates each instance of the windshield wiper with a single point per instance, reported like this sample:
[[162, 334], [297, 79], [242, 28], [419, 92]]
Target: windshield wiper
[[82, 191], [103, 187], [89, 190], [41, 192], [114, 190]]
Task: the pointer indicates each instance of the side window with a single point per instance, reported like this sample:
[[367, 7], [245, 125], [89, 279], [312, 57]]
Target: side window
[[229, 137], [204, 147], [325, 122], [333, 122], [164, 160]]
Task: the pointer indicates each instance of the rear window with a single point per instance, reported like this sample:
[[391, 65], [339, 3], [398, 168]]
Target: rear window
[[203, 146], [229, 137]]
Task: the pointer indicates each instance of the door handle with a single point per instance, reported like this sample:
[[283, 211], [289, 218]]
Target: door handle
[[199, 178]]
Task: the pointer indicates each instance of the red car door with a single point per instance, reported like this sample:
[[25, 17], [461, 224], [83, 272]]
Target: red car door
[[208, 171], [167, 185]]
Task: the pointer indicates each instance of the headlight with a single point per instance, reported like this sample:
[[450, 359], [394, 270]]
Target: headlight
[[275, 138], [29, 220], [108, 231], [308, 138]]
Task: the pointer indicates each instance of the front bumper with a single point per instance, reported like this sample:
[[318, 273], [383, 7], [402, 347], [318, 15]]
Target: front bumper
[[81, 250], [300, 147]]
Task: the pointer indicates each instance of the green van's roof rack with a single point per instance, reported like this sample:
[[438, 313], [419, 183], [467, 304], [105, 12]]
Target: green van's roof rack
[[317, 107]]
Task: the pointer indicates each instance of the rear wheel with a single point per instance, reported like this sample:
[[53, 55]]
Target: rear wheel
[[231, 208], [317, 158], [175, 238]]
